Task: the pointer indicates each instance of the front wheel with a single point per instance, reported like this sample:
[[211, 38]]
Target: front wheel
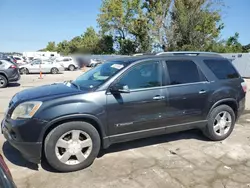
[[221, 123], [72, 146], [54, 71]]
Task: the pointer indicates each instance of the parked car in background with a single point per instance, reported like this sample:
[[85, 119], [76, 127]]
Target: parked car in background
[[19, 60], [6, 180], [95, 62], [68, 63], [44, 66], [8, 58], [8, 72]]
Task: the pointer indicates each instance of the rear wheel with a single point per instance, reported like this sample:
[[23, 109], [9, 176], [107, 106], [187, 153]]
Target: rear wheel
[[54, 70], [221, 123], [3, 81], [72, 146], [24, 71], [71, 68]]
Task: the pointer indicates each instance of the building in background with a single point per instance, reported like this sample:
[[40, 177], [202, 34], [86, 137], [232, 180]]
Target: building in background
[[40, 54], [241, 61]]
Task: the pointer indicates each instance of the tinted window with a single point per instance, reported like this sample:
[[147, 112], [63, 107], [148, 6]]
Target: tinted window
[[182, 72], [66, 59], [17, 58], [36, 62], [222, 69], [145, 75]]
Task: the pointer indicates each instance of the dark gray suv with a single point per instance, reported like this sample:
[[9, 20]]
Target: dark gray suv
[[8, 72], [125, 99]]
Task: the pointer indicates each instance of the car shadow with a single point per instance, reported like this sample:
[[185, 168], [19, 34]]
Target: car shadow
[[15, 157], [190, 134], [13, 85]]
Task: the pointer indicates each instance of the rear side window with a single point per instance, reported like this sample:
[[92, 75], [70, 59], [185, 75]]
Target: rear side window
[[183, 72], [222, 68]]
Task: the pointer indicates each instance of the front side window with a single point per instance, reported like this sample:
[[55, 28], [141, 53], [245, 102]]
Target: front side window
[[145, 75], [36, 62], [182, 72], [222, 69]]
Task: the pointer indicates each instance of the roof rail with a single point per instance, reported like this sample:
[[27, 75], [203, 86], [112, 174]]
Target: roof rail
[[190, 53], [140, 54]]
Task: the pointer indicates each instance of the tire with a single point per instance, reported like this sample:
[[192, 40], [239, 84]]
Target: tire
[[24, 71], [54, 70], [71, 68], [211, 129], [3, 81], [50, 146]]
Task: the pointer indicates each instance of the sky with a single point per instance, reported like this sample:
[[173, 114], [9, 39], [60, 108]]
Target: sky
[[28, 25]]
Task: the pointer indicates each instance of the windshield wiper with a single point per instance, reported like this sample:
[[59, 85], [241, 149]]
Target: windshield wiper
[[74, 84]]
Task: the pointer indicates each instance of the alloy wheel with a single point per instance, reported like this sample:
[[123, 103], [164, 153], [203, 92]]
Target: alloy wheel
[[73, 147], [222, 123], [54, 71]]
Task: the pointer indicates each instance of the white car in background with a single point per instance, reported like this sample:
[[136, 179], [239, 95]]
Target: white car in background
[[39, 65], [67, 62], [19, 60]]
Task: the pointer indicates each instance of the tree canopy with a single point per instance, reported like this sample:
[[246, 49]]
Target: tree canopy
[[135, 26]]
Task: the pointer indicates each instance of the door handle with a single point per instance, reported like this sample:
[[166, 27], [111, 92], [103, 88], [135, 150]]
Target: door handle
[[159, 97], [202, 91]]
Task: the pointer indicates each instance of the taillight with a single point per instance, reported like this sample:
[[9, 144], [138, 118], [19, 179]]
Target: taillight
[[244, 86], [13, 67], [5, 167]]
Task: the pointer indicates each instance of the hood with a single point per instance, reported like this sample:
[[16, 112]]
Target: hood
[[47, 91]]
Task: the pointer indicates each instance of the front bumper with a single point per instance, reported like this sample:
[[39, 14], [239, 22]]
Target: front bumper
[[29, 150]]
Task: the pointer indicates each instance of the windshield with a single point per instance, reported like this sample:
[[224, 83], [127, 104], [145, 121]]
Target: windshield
[[98, 75]]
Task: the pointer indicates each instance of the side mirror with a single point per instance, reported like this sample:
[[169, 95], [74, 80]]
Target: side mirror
[[118, 88]]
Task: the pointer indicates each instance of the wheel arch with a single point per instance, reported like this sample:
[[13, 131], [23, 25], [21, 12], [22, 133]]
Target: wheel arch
[[231, 102], [94, 121], [5, 75]]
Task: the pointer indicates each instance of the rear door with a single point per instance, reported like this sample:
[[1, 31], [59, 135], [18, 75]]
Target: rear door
[[186, 91]]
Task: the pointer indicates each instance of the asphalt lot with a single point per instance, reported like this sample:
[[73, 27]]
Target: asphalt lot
[[178, 160]]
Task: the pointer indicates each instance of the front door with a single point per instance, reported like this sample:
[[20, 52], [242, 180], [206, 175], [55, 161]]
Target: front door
[[139, 111], [187, 93], [35, 66]]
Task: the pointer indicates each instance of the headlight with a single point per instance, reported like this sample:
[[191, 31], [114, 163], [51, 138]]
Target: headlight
[[26, 109]]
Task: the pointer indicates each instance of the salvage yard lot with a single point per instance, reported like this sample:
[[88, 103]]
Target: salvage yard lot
[[184, 159]]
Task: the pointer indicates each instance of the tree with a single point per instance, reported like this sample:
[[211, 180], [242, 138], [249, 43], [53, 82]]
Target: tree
[[105, 45], [74, 44], [116, 17], [156, 12], [89, 41], [233, 44], [246, 48], [51, 47], [63, 47], [195, 24]]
